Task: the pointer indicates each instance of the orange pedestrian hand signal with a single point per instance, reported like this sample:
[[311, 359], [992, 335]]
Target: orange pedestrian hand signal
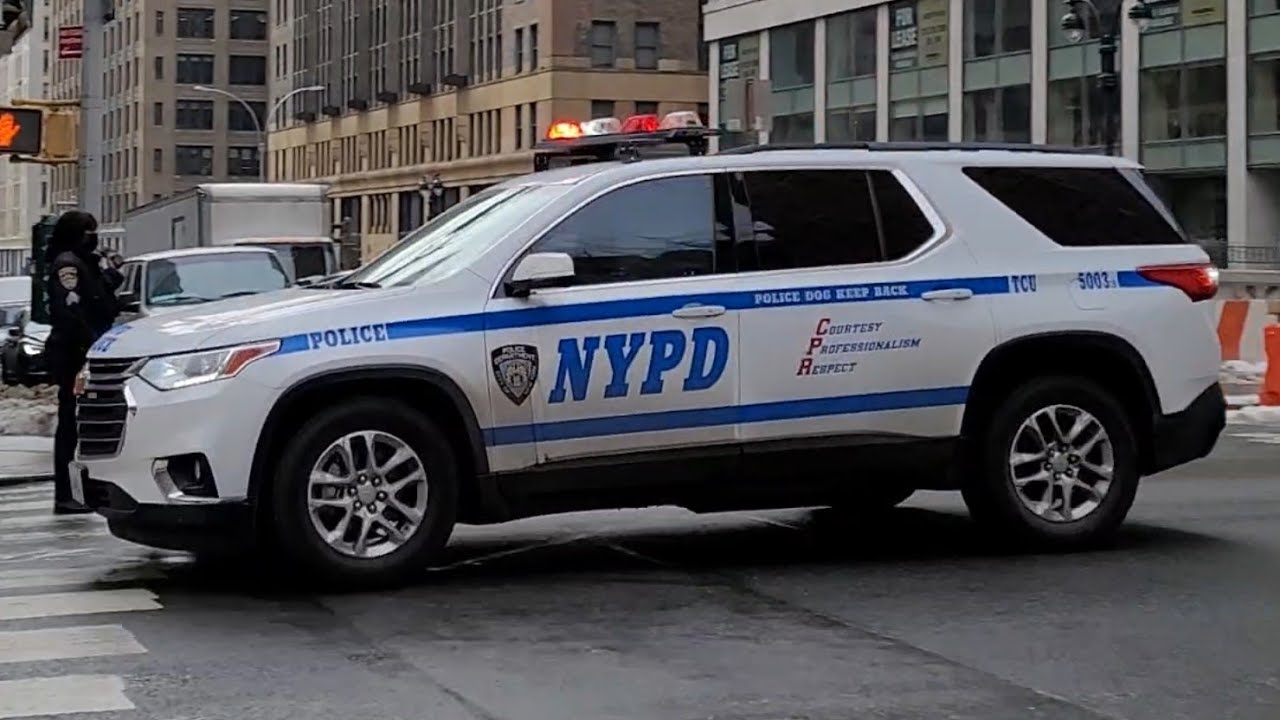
[[21, 130], [9, 129]]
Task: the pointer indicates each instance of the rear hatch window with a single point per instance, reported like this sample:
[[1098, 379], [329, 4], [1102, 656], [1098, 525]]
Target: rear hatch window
[[1082, 207]]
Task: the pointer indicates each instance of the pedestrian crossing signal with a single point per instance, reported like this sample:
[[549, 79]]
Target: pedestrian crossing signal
[[21, 130]]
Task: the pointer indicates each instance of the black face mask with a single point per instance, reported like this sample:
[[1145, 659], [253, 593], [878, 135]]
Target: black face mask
[[90, 242]]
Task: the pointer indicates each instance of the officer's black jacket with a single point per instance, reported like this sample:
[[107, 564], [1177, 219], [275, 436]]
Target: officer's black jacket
[[81, 307]]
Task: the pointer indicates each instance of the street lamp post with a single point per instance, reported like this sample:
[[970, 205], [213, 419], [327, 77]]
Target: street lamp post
[[1076, 27], [257, 124]]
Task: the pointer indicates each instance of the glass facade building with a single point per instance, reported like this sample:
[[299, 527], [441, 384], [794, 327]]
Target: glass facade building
[[1198, 102]]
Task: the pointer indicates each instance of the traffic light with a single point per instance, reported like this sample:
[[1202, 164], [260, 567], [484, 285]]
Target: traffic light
[[40, 131], [41, 233]]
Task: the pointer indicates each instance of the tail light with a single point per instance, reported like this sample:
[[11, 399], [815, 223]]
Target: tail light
[[1198, 280]]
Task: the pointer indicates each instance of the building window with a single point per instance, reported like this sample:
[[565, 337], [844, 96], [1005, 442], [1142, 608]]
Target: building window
[[247, 70], [1000, 114], [193, 160], [157, 114], [851, 71], [851, 45], [601, 109], [242, 161], [239, 119], [159, 68], [533, 121], [1181, 103], [533, 47], [195, 23], [791, 68], [648, 45], [195, 69], [193, 115], [1264, 7], [604, 40], [646, 107], [924, 120], [518, 61], [159, 22], [996, 27], [248, 25], [519, 126], [1264, 94], [1076, 113]]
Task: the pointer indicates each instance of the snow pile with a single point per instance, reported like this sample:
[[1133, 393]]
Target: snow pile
[[28, 410], [1255, 415], [1239, 372]]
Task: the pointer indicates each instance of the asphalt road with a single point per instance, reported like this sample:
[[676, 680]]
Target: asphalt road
[[663, 615]]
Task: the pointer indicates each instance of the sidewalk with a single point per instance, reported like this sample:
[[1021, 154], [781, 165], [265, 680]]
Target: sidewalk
[[24, 459]]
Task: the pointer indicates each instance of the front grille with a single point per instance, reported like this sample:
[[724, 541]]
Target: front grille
[[101, 411]]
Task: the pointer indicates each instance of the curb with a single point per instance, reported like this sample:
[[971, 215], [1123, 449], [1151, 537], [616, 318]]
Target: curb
[[12, 480]]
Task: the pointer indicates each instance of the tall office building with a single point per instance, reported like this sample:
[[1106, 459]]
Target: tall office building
[[411, 92], [24, 187], [177, 79], [1199, 90]]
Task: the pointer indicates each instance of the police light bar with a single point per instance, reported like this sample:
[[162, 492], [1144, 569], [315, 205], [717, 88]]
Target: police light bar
[[681, 132]]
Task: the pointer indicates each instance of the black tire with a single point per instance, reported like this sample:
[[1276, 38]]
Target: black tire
[[989, 490], [296, 538]]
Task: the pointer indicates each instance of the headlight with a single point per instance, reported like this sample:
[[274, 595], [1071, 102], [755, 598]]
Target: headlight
[[31, 347], [179, 371]]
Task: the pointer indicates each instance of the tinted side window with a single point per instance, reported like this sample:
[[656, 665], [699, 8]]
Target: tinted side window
[[653, 229], [903, 225], [1078, 207], [809, 218]]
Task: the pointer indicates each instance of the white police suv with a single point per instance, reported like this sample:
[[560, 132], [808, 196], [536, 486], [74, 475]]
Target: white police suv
[[765, 327]]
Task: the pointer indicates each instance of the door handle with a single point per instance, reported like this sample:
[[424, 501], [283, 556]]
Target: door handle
[[947, 294], [698, 311]]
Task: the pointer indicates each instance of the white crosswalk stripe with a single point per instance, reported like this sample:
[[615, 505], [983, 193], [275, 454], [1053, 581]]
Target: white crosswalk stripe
[[55, 570]]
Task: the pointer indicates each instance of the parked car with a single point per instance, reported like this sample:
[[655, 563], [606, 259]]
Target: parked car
[[162, 281], [22, 360]]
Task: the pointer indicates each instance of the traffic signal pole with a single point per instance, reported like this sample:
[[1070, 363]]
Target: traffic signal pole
[[96, 14]]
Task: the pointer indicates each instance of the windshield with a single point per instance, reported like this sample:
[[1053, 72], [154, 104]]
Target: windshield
[[457, 237], [204, 278]]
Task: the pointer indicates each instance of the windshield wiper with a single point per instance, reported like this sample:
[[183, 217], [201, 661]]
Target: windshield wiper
[[239, 293], [360, 285]]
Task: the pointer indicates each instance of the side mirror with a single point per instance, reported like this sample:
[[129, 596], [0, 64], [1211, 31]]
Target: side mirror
[[129, 302], [540, 270], [15, 331]]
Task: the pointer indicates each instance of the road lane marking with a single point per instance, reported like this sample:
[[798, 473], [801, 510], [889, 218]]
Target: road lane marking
[[7, 506], [29, 578], [66, 695], [67, 643], [89, 602]]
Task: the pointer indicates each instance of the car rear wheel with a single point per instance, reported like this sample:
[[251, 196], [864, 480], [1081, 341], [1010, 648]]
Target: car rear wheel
[[1057, 466], [365, 494]]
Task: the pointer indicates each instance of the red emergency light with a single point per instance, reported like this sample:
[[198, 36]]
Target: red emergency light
[[636, 124]]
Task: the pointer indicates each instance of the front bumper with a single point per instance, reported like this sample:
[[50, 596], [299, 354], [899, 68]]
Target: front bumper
[[216, 527], [1190, 434]]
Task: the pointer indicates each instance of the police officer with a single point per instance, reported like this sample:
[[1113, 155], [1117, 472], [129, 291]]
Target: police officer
[[81, 309]]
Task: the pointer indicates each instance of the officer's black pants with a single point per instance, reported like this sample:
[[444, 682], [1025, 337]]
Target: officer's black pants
[[64, 366]]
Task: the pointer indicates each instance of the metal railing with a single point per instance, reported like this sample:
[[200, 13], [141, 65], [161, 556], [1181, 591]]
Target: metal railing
[[1242, 257]]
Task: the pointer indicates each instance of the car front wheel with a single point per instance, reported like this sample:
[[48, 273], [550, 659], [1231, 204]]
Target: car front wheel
[[1057, 467], [365, 493]]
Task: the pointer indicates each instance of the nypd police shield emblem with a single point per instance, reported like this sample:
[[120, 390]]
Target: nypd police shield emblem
[[515, 369]]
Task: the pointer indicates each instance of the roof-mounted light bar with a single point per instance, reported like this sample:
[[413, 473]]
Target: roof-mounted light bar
[[573, 142]]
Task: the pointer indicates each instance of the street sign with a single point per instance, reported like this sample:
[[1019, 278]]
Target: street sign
[[21, 130], [70, 42]]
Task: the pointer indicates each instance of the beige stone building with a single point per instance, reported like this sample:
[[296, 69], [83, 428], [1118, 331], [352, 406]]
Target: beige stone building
[[407, 91], [168, 122]]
